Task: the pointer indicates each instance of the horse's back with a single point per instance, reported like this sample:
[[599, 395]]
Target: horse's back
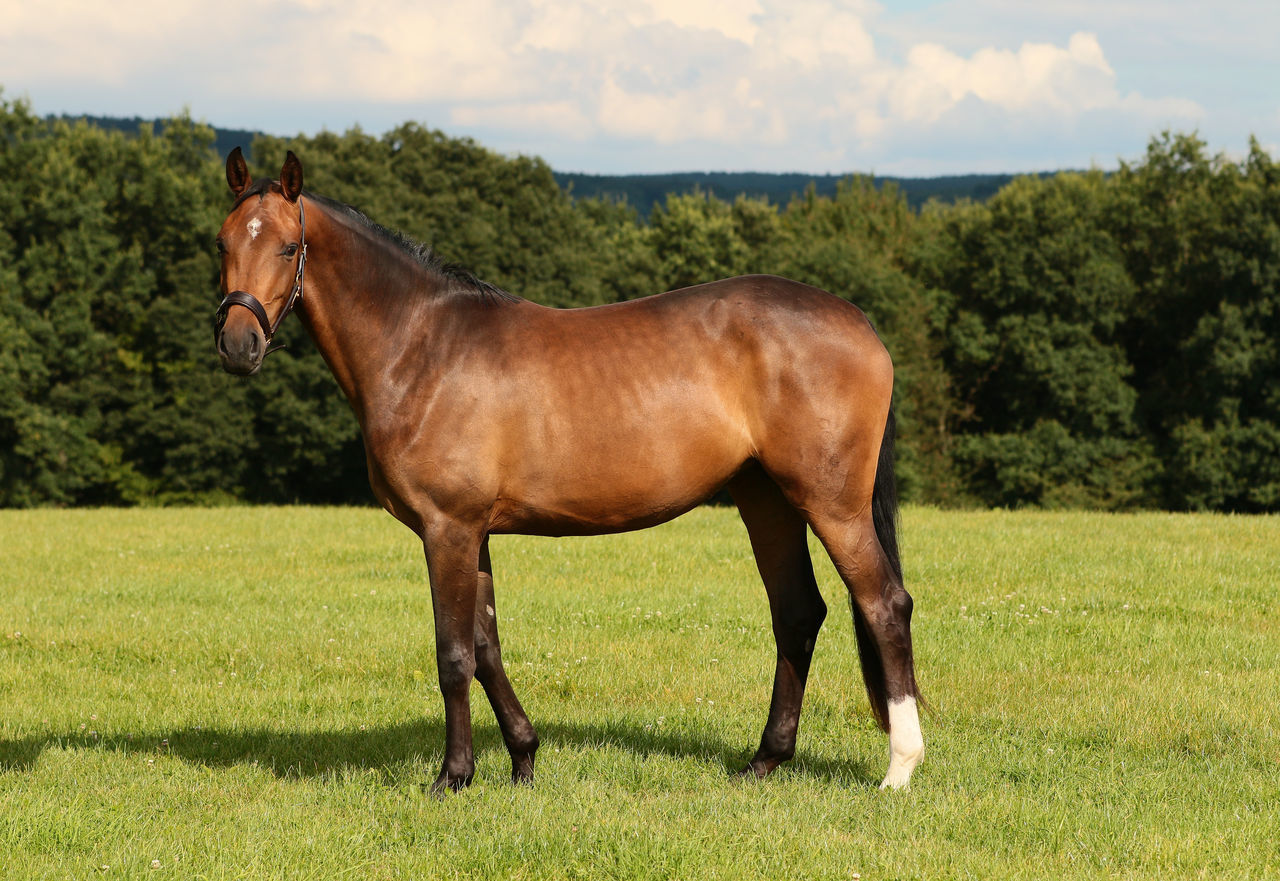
[[776, 321], [742, 345]]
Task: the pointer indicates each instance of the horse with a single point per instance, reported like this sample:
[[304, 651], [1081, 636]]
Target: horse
[[483, 413]]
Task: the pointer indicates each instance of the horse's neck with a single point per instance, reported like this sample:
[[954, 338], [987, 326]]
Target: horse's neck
[[366, 309]]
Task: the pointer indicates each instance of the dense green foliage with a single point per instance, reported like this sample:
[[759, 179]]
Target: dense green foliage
[[249, 693], [1076, 340]]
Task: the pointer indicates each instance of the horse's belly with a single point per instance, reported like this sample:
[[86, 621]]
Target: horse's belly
[[616, 478]]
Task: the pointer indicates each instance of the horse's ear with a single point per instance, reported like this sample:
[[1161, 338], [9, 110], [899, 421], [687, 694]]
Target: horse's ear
[[237, 172], [291, 177]]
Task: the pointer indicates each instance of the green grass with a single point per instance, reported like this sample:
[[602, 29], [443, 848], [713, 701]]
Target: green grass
[[250, 693]]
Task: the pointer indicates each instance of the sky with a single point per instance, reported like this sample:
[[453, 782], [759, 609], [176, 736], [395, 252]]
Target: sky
[[900, 87]]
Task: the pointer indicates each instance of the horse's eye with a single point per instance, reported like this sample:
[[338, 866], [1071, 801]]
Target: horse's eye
[[220, 245], [290, 250]]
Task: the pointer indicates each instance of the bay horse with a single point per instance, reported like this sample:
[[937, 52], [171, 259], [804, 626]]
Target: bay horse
[[484, 413]]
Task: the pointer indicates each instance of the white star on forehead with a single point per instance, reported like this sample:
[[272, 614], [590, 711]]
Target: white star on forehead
[[255, 227]]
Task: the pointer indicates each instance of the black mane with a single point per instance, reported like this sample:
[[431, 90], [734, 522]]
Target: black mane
[[457, 276]]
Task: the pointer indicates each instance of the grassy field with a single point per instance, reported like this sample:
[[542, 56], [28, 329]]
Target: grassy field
[[250, 693]]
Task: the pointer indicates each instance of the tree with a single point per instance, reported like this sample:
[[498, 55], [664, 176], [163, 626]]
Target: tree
[[694, 239], [64, 267], [867, 246], [1038, 293], [1201, 239]]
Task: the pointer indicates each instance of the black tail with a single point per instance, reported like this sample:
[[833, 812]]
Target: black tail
[[884, 498], [884, 516]]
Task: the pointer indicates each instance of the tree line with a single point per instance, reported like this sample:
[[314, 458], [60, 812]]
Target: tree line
[[1076, 340], [645, 191]]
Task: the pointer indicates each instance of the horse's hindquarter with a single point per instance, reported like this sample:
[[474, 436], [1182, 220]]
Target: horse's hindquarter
[[620, 417]]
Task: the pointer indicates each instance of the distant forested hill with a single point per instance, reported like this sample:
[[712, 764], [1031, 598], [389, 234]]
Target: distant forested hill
[[643, 191], [225, 139]]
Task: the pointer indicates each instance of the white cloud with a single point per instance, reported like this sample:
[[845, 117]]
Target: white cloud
[[70, 41], [688, 115], [1038, 78], [801, 84], [814, 35], [732, 18]]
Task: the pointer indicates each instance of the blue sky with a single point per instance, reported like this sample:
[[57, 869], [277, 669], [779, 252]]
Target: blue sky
[[620, 86]]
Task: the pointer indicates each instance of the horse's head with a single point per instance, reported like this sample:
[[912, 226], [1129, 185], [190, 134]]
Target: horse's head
[[263, 248]]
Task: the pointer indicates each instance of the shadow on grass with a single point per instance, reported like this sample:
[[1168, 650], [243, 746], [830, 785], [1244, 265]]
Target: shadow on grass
[[390, 750]]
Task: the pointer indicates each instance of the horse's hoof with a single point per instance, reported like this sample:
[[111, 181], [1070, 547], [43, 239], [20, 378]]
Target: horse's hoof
[[750, 774], [447, 783], [522, 773]]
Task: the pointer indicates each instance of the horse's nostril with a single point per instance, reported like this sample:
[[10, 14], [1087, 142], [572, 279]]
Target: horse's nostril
[[244, 349]]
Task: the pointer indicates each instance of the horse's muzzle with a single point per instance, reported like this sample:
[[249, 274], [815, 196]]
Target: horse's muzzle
[[241, 350]]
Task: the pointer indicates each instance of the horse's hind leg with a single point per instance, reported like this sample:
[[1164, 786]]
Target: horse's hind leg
[[882, 623], [778, 539], [517, 731]]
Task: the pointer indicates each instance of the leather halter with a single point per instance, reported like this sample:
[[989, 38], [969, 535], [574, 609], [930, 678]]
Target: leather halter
[[254, 305]]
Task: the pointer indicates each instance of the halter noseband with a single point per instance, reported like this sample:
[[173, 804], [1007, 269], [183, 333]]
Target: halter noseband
[[254, 305]]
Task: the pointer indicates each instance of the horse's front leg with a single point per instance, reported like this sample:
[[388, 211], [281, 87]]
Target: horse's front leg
[[453, 556]]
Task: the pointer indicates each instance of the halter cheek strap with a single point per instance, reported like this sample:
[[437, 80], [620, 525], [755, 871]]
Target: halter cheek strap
[[254, 305]]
